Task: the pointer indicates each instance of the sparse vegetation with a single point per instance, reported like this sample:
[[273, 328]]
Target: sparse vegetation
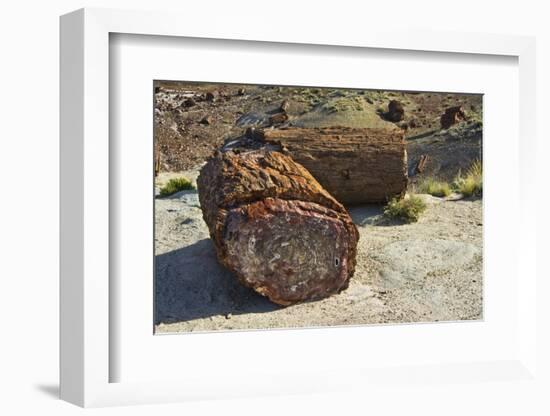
[[470, 184], [434, 187], [354, 103], [176, 185], [407, 209]]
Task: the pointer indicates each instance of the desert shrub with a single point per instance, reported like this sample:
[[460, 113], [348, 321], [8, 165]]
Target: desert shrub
[[434, 187], [406, 209], [470, 184], [175, 185]]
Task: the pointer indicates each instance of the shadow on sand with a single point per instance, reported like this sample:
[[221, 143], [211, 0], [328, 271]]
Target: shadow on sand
[[371, 214], [191, 284]]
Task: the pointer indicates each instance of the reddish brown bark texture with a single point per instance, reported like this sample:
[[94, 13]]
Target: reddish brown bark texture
[[355, 165], [275, 227]]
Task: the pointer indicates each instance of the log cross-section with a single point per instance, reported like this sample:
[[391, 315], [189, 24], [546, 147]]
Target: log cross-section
[[355, 165], [275, 227]]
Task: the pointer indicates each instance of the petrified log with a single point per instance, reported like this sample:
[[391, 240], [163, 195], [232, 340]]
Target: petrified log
[[355, 165], [206, 120], [421, 165], [275, 227]]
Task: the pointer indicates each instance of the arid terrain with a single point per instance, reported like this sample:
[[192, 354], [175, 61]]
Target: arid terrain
[[426, 271]]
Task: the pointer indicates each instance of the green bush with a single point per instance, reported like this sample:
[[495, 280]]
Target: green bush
[[176, 185], [434, 187], [406, 209], [470, 184]]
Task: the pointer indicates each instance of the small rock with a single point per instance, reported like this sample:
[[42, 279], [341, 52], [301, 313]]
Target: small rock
[[278, 118], [252, 119], [174, 127], [228, 316], [188, 103], [211, 95], [241, 91], [253, 133], [452, 115], [206, 120], [396, 112], [284, 106]]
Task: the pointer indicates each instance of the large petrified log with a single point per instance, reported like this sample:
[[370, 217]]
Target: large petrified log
[[275, 227], [355, 165]]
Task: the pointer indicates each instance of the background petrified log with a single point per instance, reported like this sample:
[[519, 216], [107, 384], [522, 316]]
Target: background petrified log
[[275, 227], [355, 165]]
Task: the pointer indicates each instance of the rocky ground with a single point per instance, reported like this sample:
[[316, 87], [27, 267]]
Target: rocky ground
[[192, 120], [427, 271]]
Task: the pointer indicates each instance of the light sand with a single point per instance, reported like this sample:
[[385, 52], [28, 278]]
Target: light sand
[[422, 272]]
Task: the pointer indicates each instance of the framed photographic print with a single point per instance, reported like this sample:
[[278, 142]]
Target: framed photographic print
[[257, 214], [399, 239]]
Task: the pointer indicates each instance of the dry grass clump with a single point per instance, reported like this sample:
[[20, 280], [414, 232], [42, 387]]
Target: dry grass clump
[[176, 185], [407, 209], [434, 187], [470, 184]]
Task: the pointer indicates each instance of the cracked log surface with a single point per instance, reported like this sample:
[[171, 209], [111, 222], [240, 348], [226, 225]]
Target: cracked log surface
[[355, 165], [275, 227]]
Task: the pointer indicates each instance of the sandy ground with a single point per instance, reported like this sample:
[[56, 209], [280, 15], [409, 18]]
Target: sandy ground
[[422, 272]]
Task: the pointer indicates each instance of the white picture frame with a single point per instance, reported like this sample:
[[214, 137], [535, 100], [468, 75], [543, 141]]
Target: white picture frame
[[85, 344]]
